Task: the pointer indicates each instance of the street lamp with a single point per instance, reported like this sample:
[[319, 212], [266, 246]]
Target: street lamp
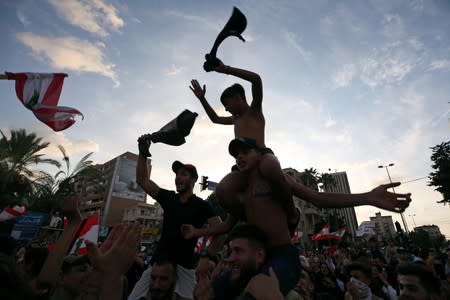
[[390, 180], [412, 216]]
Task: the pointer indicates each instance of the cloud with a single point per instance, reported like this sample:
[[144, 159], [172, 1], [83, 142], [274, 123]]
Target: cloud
[[329, 122], [94, 16], [173, 70], [440, 64], [23, 18], [384, 69], [69, 53], [72, 147], [291, 39], [343, 77], [211, 23], [393, 26]]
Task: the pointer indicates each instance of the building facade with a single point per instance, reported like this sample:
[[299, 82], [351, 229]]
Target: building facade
[[309, 214], [341, 185], [366, 230], [119, 190], [384, 227], [149, 215]]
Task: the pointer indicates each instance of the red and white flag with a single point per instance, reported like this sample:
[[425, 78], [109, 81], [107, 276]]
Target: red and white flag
[[88, 231], [325, 231], [297, 235], [12, 212], [324, 234], [202, 243], [40, 92], [337, 235]]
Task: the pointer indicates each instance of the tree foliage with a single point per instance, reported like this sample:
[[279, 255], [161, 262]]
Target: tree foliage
[[440, 177], [83, 178], [20, 154], [23, 182]]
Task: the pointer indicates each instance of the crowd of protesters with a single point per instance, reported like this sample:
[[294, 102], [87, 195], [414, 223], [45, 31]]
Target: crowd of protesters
[[237, 265], [117, 268], [250, 256]]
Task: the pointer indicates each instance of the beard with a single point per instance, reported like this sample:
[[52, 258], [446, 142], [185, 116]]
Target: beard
[[158, 294], [247, 270]]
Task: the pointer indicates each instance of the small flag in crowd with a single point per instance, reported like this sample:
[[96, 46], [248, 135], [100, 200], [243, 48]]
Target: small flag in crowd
[[202, 243], [11, 212], [297, 235], [324, 234], [88, 231], [40, 92]]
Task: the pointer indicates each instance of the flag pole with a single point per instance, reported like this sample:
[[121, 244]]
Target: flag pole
[[3, 76]]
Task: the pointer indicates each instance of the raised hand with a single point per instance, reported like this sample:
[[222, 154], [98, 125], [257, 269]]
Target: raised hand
[[203, 290], [120, 256], [144, 142], [70, 209], [264, 287], [382, 198], [112, 237], [198, 91], [220, 67]]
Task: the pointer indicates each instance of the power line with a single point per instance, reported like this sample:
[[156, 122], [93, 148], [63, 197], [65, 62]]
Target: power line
[[414, 180]]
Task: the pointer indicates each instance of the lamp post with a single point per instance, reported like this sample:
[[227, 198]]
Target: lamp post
[[412, 216], [390, 180]]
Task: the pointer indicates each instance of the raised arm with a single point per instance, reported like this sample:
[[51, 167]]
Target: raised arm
[[143, 171], [379, 197], [200, 92], [52, 266], [252, 77]]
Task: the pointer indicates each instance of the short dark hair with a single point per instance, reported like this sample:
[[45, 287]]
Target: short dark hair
[[164, 260], [359, 267], [235, 89], [426, 277], [255, 236]]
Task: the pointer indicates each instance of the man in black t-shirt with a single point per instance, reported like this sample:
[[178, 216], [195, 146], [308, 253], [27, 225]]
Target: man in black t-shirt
[[180, 207]]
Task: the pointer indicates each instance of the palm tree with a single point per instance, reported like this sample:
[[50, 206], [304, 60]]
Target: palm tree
[[310, 178], [19, 154], [327, 181], [80, 180]]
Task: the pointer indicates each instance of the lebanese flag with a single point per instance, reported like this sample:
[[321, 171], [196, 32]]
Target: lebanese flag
[[40, 92], [12, 212], [324, 234], [297, 235], [337, 235], [202, 243], [325, 231], [88, 231]]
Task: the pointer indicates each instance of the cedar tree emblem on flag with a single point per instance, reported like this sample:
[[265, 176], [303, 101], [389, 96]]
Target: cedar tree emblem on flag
[[88, 231]]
